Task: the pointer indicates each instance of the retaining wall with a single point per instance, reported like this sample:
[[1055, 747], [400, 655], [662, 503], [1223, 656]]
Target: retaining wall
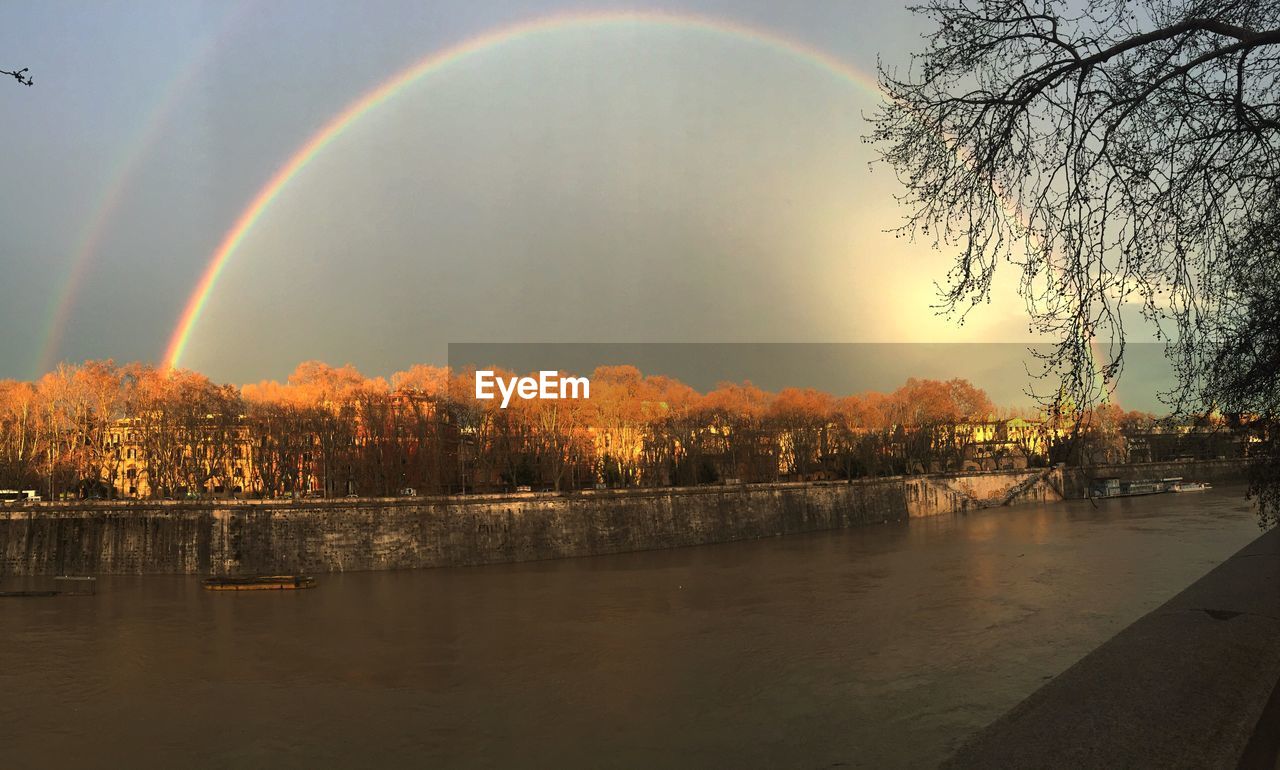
[[230, 537]]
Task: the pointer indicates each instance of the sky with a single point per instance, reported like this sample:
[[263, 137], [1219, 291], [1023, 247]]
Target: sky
[[623, 181]]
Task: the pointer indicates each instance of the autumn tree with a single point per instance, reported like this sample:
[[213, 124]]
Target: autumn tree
[[479, 427], [620, 396], [19, 434], [802, 421], [1125, 157], [104, 387], [733, 418], [189, 430], [330, 396], [61, 417], [332, 431], [280, 441], [427, 427], [862, 435], [423, 379], [559, 441], [933, 420], [674, 447]]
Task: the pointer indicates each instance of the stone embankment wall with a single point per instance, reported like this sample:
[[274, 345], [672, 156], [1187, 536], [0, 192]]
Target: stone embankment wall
[[231, 537]]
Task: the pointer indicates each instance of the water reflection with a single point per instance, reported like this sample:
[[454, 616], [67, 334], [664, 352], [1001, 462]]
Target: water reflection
[[882, 646]]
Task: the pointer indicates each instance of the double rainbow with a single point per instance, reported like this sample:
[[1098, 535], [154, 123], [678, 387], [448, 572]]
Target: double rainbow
[[120, 178], [440, 60]]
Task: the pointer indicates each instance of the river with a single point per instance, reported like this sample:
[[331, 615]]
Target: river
[[883, 646]]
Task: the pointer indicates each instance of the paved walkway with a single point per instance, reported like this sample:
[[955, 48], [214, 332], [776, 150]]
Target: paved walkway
[[1194, 684]]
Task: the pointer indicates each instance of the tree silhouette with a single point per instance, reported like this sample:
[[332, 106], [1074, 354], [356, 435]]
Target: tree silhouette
[[1125, 158], [19, 75]]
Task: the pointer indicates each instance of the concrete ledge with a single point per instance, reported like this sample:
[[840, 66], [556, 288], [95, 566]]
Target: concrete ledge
[[1188, 685]]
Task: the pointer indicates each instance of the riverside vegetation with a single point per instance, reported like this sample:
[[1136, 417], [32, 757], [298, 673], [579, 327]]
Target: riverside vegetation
[[105, 430]]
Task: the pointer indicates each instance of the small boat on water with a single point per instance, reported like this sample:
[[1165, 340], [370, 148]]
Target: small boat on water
[[259, 583], [1115, 487], [64, 585]]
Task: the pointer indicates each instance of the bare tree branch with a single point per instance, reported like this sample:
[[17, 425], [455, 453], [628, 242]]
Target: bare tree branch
[[20, 75], [1124, 157]]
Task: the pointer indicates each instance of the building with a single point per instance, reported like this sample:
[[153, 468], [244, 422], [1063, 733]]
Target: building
[[211, 457]]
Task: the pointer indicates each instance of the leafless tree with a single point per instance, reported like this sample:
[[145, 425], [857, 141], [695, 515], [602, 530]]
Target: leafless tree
[[1124, 156]]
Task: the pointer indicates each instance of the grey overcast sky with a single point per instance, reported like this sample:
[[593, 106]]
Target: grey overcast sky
[[622, 182]]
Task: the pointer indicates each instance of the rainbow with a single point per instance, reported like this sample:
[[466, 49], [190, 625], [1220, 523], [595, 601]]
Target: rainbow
[[119, 179], [438, 60]]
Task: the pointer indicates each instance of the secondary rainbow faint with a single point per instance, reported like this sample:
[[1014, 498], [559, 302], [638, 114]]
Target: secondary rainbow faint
[[441, 59], [118, 181]]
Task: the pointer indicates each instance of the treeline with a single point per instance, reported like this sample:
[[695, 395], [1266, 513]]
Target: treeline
[[102, 429]]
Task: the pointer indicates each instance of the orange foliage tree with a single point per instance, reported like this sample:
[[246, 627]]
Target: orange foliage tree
[[331, 431]]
